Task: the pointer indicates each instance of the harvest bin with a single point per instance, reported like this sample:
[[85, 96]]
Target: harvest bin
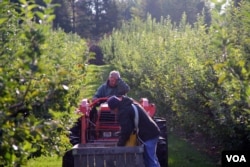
[[106, 156]]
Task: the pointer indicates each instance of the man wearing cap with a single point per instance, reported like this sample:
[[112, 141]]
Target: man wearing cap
[[148, 130]]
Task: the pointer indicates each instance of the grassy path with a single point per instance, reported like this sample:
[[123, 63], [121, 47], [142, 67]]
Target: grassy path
[[183, 154]]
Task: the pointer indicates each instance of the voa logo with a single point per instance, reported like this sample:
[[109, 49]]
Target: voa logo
[[236, 158]]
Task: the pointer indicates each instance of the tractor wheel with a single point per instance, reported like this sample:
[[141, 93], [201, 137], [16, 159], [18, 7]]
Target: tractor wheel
[[68, 159], [162, 145]]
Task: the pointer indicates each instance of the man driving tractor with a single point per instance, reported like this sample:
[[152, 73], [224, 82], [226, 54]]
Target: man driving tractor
[[113, 86]]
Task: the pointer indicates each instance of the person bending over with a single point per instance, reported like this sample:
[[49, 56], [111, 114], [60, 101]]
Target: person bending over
[[148, 131]]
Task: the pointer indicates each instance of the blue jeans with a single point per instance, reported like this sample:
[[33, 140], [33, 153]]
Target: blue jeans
[[149, 155]]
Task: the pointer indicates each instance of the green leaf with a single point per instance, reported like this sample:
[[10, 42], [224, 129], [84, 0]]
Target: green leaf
[[48, 1], [30, 7], [222, 78], [40, 14], [218, 66], [241, 63], [248, 91], [3, 20], [50, 18]]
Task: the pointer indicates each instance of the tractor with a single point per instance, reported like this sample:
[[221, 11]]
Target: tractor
[[95, 134]]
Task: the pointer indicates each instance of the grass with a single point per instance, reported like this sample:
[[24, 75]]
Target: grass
[[45, 162], [183, 154]]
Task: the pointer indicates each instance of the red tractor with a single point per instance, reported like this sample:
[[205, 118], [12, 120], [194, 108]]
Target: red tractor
[[97, 128]]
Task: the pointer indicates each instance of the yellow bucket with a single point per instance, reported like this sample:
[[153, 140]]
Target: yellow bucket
[[132, 141]]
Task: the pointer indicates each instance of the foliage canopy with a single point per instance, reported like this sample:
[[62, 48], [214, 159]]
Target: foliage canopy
[[41, 72]]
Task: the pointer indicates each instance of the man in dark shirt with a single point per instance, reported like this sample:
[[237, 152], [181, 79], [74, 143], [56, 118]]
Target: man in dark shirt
[[113, 86], [148, 131]]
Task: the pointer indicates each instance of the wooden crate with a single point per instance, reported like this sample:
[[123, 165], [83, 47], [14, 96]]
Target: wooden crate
[[97, 155]]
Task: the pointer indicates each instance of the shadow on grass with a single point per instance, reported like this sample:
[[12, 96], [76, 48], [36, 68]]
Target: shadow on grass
[[183, 154]]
